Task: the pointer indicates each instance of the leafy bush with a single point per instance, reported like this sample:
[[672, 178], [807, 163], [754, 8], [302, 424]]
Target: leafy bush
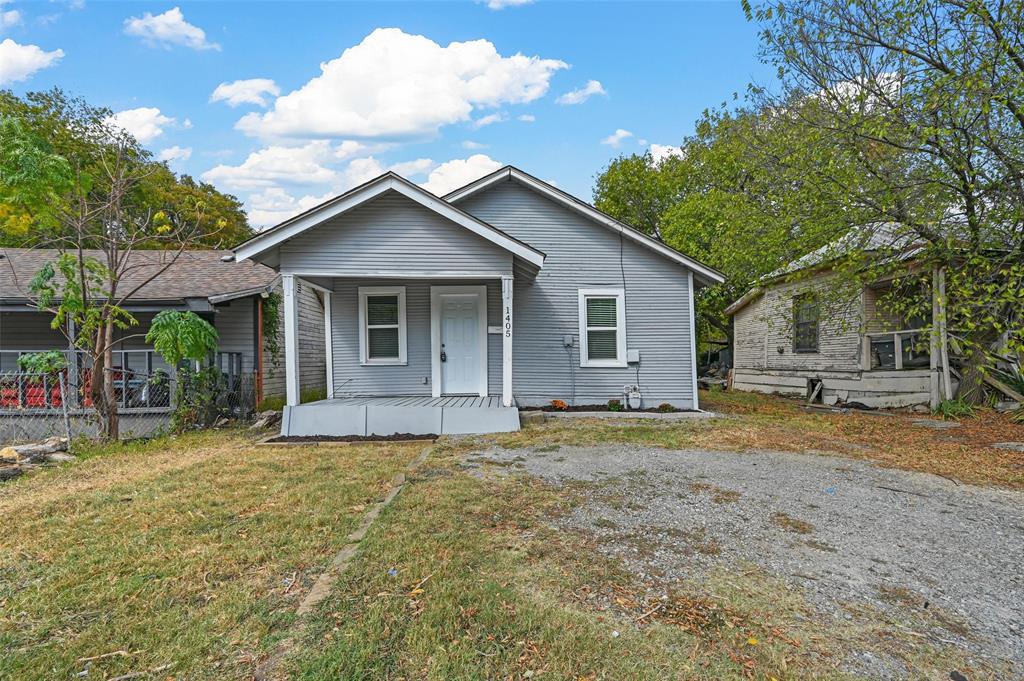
[[48, 362], [559, 405], [665, 407], [614, 405], [955, 409]]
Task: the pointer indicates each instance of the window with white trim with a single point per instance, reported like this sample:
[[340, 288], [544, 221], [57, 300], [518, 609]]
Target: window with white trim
[[602, 327], [382, 325]]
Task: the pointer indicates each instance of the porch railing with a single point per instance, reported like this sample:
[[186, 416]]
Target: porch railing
[[896, 350], [141, 380]]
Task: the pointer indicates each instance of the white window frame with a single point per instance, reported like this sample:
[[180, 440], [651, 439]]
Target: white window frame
[[364, 293], [620, 326]]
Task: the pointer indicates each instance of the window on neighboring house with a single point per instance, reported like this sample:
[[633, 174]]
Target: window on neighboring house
[[805, 323], [382, 325], [602, 328]]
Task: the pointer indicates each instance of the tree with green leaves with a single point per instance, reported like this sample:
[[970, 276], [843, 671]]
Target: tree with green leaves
[[85, 202], [71, 129], [930, 97], [180, 336], [747, 193]]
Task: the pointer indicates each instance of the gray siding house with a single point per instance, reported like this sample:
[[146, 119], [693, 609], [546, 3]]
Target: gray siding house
[[229, 295], [446, 314]]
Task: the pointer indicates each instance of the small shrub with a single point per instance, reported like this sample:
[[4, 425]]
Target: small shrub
[[559, 405], [955, 409], [271, 403], [1018, 416], [665, 407], [614, 405]]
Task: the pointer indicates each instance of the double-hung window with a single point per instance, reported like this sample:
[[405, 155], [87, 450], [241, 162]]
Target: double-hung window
[[805, 323], [602, 327], [382, 325]]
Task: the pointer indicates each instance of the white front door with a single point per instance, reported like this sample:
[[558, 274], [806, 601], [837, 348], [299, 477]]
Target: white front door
[[461, 352]]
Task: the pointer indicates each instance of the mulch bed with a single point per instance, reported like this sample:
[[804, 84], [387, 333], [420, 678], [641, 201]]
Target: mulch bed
[[396, 437], [604, 407]]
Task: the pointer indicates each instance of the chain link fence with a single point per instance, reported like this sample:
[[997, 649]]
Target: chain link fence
[[34, 407]]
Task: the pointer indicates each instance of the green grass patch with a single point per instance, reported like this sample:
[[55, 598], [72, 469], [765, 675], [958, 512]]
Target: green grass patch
[[184, 555]]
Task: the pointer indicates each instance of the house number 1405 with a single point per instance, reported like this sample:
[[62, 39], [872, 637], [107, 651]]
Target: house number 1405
[[508, 321]]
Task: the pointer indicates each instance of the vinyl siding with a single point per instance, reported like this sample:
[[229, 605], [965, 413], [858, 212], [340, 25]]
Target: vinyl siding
[[234, 323], [583, 254], [392, 233], [312, 348], [350, 378]]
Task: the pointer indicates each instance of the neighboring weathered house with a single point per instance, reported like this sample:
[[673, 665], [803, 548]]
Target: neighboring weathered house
[[231, 296], [807, 331], [446, 313]]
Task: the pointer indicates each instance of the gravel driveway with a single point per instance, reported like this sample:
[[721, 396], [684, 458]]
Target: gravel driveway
[[841, 530]]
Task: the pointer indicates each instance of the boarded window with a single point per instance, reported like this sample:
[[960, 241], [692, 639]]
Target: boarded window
[[805, 323]]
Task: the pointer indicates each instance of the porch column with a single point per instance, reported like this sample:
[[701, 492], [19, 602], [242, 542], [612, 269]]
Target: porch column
[[291, 338], [329, 344], [506, 341]]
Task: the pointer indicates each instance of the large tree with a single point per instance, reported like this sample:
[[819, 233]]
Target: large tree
[[93, 197], [747, 193], [931, 97], [77, 131]]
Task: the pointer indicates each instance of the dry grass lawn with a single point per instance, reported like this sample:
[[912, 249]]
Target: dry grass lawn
[[182, 557], [186, 557], [765, 422]]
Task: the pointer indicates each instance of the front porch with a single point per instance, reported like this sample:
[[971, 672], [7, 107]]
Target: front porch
[[417, 414], [419, 355]]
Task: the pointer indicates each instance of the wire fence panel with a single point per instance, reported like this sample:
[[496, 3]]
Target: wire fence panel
[[34, 407]]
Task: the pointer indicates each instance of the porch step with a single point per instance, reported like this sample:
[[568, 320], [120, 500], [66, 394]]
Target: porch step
[[341, 417]]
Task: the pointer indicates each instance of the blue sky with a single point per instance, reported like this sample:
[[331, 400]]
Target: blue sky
[[441, 92]]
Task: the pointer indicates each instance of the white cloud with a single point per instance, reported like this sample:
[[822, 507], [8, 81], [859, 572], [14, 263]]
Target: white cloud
[[580, 95], [175, 153], [489, 119], [394, 84], [11, 17], [502, 4], [615, 139], [470, 144], [274, 205], [412, 168], [270, 166], [659, 152], [526, 118], [251, 91], [19, 62], [167, 30], [145, 124], [459, 172]]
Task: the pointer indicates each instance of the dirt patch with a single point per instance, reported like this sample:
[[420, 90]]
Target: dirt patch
[[791, 524], [910, 559]]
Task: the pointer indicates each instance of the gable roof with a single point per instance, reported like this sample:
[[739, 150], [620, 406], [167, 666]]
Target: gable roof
[[706, 274], [883, 239], [389, 181], [194, 274]]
